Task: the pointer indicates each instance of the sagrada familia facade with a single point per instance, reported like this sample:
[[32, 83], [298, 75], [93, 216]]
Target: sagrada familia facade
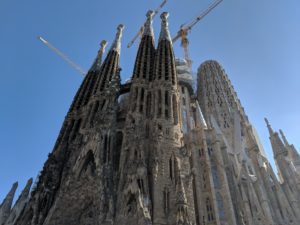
[[154, 151]]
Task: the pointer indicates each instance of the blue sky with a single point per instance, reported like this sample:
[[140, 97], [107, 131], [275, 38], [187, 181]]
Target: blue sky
[[257, 42]]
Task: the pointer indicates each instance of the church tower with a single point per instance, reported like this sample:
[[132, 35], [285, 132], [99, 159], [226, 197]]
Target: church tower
[[77, 171], [155, 151], [134, 197]]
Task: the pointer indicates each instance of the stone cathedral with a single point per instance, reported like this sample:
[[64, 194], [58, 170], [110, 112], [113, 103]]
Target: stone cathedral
[[155, 151]]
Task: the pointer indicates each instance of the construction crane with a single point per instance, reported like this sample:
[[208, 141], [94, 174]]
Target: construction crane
[[141, 30], [185, 28]]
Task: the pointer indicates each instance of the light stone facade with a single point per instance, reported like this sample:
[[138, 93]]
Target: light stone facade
[[155, 151]]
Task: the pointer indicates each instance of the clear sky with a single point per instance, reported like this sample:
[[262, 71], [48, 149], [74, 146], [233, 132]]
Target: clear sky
[[257, 42]]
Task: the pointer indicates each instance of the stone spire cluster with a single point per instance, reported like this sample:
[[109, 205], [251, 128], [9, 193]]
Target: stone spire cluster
[[9, 214], [154, 151]]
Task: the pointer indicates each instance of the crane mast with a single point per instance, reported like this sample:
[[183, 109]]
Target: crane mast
[[184, 29], [141, 30]]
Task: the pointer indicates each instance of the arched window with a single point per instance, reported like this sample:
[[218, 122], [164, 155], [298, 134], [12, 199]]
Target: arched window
[[209, 209]]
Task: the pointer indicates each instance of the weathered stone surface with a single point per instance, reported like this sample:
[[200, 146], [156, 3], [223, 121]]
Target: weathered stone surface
[[157, 153]]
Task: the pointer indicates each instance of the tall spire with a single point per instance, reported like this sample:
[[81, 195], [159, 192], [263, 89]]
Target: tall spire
[[25, 191], [164, 33], [20, 204], [5, 207], [284, 138], [116, 46], [97, 64], [148, 29], [271, 132], [144, 60], [110, 65], [165, 53]]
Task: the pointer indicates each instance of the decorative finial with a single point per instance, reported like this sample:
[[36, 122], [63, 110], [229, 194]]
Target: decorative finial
[[148, 29], [116, 46], [284, 138], [101, 51], [164, 33], [103, 44]]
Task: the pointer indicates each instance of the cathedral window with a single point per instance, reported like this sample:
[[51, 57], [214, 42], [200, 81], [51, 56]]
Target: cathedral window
[[159, 104], [209, 209], [105, 149], [166, 104], [148, 105], [89, 165], [142, 100], [171, 168], [175, 110], [117, 152], [204, 179]]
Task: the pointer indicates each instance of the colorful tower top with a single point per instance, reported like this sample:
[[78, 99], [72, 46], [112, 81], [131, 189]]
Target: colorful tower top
[[164, 33], [97, 64]]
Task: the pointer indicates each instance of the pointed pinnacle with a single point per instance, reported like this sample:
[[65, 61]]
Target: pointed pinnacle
[[116, 46], [164, 33], [148, 29], [284, 138], [269, 127], [98, 60]]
